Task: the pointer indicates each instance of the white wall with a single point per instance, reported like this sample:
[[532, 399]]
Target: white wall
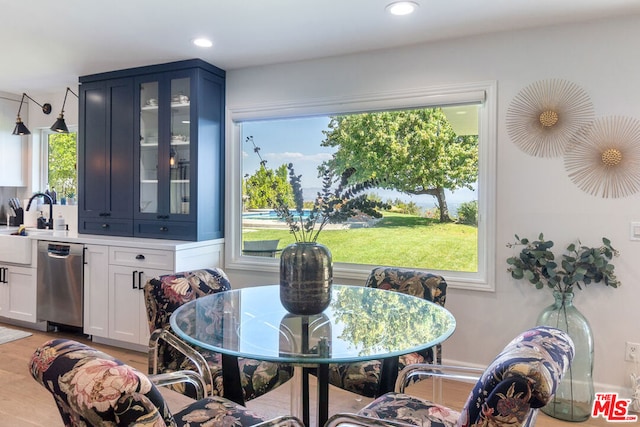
[[533, 194]]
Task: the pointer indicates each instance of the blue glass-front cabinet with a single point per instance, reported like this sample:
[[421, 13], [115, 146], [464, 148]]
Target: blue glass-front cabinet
[[176, 151]]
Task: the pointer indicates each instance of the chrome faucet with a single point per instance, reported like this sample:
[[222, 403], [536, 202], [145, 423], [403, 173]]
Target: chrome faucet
[[47, 224]]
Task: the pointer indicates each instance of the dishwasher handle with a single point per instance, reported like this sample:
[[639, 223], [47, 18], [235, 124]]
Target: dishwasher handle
[[55, 250]]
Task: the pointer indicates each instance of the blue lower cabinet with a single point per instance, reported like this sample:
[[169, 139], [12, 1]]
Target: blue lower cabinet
[[166, 230], [105, 227]]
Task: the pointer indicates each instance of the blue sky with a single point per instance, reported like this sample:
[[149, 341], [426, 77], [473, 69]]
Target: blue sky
[[298, 141], [286, 141]]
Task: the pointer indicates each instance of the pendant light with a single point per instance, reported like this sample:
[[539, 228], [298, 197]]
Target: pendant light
[[21, 128], [60, 126]]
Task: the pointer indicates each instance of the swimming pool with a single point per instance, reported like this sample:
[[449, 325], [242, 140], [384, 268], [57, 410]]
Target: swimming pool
[[271, 215]]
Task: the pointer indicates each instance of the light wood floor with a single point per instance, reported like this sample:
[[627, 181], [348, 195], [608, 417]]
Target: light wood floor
[[23, 402]]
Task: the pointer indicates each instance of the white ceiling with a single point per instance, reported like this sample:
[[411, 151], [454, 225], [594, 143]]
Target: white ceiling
[[48, 44]]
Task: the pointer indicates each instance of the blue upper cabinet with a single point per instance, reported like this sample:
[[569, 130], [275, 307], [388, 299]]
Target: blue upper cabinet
[[105, 157], [174, 145]]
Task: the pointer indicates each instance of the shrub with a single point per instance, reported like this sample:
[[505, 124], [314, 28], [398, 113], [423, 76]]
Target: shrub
[[468, 213]]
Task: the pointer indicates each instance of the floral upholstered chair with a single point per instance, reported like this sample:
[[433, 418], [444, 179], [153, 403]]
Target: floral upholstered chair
[[363, 378], [169, 353], [520, 380], [92, 388]]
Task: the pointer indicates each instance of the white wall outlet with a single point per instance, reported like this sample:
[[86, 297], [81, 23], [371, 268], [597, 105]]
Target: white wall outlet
[[632, 352]]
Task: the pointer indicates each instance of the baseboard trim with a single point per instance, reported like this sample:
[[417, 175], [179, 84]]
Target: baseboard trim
[[120, 344]]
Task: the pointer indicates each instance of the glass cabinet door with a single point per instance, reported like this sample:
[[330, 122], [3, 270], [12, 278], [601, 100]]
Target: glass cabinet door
[[165, 147], [179, 153], [149, 146]]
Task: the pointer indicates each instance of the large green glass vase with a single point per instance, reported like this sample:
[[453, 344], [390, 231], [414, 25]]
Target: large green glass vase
[[306, 275], [573, 400]]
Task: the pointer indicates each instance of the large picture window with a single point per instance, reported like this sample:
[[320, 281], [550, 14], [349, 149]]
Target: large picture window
[[432, 152]]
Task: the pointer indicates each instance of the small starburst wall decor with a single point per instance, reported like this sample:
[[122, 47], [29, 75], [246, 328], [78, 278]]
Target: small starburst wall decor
[[545, 116], [604, 159]]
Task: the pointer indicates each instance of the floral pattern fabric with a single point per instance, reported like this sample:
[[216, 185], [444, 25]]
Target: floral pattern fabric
[[363, 378], [163, 295], [521, 379], [92, 388]]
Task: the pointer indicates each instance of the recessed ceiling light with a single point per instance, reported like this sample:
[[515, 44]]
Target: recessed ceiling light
[[402, 7], [202, 42]]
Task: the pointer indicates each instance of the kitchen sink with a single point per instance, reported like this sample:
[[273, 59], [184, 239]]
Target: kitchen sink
[[17, 249]]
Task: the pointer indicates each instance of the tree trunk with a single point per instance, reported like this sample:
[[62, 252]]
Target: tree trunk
[[439, 194], [442, 205]]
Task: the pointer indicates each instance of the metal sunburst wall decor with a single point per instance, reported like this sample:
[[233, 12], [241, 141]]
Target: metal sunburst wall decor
[[544, 116], [604, 159]]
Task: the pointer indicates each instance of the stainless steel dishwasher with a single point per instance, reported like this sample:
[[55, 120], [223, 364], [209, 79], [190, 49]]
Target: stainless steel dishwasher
[[60, 283]]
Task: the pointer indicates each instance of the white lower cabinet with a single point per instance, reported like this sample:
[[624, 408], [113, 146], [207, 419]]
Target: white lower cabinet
[[127, 312], [114, 278], [18, 292], [96, 290]]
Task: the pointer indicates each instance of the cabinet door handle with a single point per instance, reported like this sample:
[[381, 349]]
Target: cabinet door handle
[[105, 225], [163, 228], [139, 256], [133, 279], [3, 275], [104, 214], [163, 216], [140, 280]]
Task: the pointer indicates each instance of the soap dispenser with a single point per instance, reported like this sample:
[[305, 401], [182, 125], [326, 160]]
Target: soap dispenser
[[42, 223]]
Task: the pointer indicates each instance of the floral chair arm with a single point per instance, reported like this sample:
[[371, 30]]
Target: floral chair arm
[[91, 387], [534, 363], [519, 381], [187, 351]]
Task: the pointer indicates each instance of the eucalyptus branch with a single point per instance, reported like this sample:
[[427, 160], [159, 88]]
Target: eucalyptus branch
[[579, 265], [330, 206]]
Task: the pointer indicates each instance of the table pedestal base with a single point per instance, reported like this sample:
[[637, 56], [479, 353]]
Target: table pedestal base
[[300, 394]]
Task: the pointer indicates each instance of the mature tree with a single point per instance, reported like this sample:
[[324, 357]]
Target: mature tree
[[412, 151], [265, 186], [260, 190]]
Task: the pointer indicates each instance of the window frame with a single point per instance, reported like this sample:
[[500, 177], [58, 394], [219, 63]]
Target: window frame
[[483, 280]]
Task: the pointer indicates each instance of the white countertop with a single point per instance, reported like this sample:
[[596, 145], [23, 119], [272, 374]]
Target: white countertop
[[75, 237]]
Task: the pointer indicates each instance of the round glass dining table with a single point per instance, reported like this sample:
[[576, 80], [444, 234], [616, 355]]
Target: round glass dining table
[[361, 323]]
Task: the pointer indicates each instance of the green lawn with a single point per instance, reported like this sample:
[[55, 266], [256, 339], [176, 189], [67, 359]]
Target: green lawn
[[398, 240]]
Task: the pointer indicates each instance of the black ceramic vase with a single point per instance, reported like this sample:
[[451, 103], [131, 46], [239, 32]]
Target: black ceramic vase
[[306, 275]]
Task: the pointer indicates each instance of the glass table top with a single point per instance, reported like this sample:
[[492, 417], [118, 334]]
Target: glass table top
[[360, 323]]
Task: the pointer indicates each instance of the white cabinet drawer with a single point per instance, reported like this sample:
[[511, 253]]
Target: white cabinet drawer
[[141, 258]]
